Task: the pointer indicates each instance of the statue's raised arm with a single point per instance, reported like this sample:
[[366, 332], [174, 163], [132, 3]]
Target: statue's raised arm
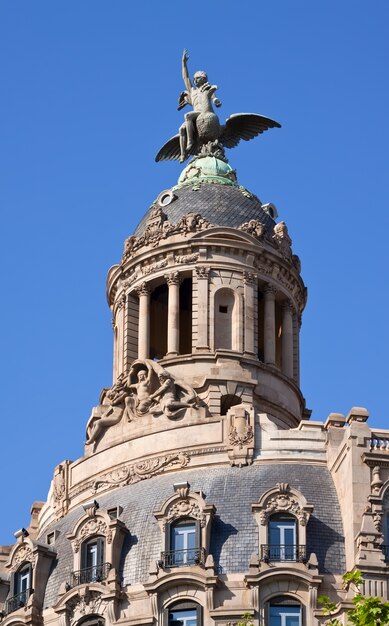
[[185, 73]]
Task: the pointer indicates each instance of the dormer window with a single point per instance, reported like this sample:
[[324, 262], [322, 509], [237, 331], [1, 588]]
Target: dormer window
[[184, 543], [282, 538], [21, 588]]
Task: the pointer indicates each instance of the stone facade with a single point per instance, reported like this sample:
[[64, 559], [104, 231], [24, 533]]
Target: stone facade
[[205, 491]]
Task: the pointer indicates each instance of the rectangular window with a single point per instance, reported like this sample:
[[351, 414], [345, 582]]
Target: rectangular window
[[285, 616]]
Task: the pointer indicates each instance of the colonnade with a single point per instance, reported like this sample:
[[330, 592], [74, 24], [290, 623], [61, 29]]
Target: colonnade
[[285, 355]]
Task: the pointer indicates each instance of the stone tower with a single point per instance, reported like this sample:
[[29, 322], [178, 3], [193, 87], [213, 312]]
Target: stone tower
[[205, 491]]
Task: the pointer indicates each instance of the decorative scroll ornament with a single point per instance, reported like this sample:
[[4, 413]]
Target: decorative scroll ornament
[[186, 508], [187, 258], [94, 526], [89, 603], [136, 472], [283, 502], [148, 269], [24, 553]]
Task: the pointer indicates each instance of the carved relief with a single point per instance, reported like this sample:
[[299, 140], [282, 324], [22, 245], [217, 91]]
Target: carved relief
[[254, 228], [187, 258], [24, 553], [285, 504], [60, 495], [148, 269], [148, 389], [186, 508], [249, 278], [81, 605], [282, 240], [136, 472], [158, 227], [94, 526], [202, 271], [240, 421]]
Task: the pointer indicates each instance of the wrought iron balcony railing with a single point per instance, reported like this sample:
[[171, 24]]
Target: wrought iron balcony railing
[[281, 552], [178, 558], [94, 574], [16, 602]]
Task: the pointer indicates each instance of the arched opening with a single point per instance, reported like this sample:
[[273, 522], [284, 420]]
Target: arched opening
[[284, 611], [184, 613], [224, 314], [158, 322], [228, 401], [92, 620], [186, 316]]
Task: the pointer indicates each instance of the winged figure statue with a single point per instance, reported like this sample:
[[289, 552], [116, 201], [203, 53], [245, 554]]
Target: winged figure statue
[[201, 133]]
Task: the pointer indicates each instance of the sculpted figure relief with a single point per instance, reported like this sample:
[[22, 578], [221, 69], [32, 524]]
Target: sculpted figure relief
[[201, 133], [148, 389]]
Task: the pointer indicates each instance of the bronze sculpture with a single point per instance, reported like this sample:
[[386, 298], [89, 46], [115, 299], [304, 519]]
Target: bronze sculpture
[[201, 134]]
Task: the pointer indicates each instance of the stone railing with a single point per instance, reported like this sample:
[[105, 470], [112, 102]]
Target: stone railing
[[379, 441]]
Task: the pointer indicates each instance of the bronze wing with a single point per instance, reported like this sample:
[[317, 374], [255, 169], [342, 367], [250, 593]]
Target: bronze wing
[[171, 150], [245, 126]]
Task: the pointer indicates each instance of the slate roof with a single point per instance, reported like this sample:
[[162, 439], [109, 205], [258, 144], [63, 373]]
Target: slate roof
[[234, 534], [223, 205]]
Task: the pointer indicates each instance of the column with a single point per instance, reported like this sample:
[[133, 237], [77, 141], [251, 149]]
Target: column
[[250, 281], [287, 339], [143, 292], [270, 325], [118, 326], [173, 320], [202, 273]]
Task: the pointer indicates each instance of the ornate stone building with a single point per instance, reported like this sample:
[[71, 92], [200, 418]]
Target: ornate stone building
[[205, 490]]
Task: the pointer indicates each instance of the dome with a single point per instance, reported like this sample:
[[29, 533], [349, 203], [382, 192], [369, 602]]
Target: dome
[[220, 203]]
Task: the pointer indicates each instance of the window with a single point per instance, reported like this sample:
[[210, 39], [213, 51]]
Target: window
[[184, 614], [284, 612], [93, 568], [21, 589], [184, 542], [282, 538]]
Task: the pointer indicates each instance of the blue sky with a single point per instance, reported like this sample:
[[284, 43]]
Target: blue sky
[[88, 95]]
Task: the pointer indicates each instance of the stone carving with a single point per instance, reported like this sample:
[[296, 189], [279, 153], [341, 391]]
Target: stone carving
[[108, 412], [173, 278], [88, 603], [186, 508], [201, 133], [202, 271], [94, 526], [24, 553], [143, 289], [254, 228], [282, 240], [283, 502], [148, 269], [187, 258], [136, 472], [60, 499], [148, 389], [159, 227], [249, 278], [237, 438], [154, 390]]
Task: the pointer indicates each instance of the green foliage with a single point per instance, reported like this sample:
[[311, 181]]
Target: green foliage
[[246, 620], [367, 611]]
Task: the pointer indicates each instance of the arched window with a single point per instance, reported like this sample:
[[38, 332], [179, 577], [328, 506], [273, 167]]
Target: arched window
[[284, 611], [93, 568], [21, 588], [184, 614], [184, 543], [282, 534]]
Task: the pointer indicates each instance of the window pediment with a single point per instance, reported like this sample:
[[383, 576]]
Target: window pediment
[[282, 499]]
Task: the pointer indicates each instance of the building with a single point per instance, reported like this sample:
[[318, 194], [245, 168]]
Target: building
[[205, 491]]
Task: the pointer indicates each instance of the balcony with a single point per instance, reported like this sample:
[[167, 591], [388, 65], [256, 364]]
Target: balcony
[[94, 574], [17, 602], [181, 558], [295, 553]]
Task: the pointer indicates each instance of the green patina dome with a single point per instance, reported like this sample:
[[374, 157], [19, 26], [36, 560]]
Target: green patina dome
[[208, 167]]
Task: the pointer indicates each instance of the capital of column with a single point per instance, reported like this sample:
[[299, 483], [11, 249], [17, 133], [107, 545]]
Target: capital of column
[[143, 289], [287, 306], [269, 290], [249, 278], [173, 278], [121, 301], [202, 271]]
